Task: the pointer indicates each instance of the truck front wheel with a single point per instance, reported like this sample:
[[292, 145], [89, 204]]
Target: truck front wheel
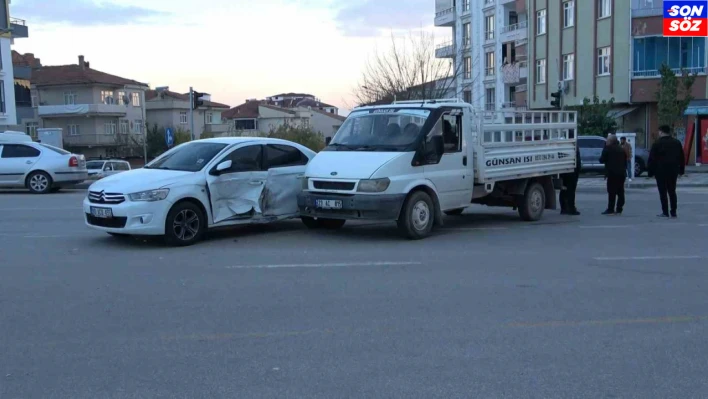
[[418, 216], [533, 203]]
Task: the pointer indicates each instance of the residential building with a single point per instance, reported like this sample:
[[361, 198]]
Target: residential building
[[101, 115], [27, 119], [295, 100], [259, 117], [10, 29], [166, 108]]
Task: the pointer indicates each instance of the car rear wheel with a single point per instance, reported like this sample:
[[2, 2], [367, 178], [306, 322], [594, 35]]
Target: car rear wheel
[[185, 225], [639, 167], [39, 183]]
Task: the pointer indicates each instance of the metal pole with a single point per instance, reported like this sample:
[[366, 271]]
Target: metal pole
[[144, 130], [191, 112]]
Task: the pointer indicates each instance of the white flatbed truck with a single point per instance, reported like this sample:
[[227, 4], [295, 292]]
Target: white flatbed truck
[[414, 161]]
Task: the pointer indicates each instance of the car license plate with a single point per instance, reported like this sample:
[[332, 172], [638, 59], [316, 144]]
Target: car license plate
[[103, 213], [328, 204]]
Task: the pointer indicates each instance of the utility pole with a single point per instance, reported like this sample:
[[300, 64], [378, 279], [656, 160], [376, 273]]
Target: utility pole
[[191, 112]]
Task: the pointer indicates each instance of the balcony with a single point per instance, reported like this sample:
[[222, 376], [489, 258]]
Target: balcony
[[502, 2], [521, 88], [445, 49], [654, 73], [216, 128], [91, 140], [18, 28], [515, 72], [515, 32], [46, 111], [445, 17]]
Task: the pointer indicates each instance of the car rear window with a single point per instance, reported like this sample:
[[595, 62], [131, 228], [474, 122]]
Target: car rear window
[[55, 149]]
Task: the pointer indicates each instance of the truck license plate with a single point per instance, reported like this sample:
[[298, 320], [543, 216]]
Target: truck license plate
[[103, 213], [328, 204]]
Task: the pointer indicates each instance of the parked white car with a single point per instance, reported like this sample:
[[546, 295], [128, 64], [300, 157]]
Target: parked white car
[[199, 185], [41, 168], [98, 169]]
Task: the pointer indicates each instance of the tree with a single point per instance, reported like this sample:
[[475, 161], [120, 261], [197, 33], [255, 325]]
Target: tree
[[594, 117], [301, 135], [156, 144], [409, 70], [129, 145], [673, 96]]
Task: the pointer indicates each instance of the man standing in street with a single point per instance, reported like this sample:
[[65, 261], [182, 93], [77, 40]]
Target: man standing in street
[[667, 162], [615, 160], [570, 185], [627, 150]]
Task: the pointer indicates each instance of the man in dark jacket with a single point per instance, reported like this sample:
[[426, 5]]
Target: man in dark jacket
[[667, 162], [615, 160], [570, 185]]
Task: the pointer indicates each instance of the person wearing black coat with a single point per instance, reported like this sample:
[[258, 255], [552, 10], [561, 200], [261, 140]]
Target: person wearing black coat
[[615, 160], [667, 162], [570, 185]]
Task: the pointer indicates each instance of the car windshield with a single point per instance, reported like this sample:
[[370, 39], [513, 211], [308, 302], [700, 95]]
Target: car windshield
[[55, 149], [188, 157], [382, 129], [94, 165]]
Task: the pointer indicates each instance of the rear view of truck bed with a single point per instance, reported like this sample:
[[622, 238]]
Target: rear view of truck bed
[[525, 144]]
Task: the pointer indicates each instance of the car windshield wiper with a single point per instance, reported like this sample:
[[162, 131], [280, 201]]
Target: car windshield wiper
[[342, 146]]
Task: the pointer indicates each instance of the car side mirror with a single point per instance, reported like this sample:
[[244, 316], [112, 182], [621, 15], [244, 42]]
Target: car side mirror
[[328, 140], [224, 166]]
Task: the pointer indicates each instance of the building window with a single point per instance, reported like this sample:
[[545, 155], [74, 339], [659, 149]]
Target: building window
[[468, 68], [603, 61], [540, 71], [466, 34], [110, 127], [245, 124], [604, 8], [31, 129], [69, 98], [138, 126], [568, 14], [540, 22], [489, 27], [568, 66], [135, 99], [467, 96], [208, 118], [124, 126], [490, 99], [107, 97], [183, 118], [489, 66], [73, 130], [122, 99], [465, 5], [676, 52]]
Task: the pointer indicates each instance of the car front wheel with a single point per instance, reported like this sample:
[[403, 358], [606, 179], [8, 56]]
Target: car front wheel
[[185, 225]]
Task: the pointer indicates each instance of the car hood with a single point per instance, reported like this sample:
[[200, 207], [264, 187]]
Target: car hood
[[137, 180], [349, 164]]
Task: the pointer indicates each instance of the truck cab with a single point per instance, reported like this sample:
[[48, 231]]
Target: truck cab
[[411, 162]]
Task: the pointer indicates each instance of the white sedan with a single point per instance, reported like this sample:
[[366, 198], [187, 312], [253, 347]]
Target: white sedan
[[41, 168], [199, 185]]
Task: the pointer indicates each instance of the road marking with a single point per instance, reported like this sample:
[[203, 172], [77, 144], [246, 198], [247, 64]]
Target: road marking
[[230, 336], [609, 226], [657, 320], [311, 265], [679, 257]]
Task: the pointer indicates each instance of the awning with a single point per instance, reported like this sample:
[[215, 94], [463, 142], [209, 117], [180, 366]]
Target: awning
[[697, 107], [620, 112]]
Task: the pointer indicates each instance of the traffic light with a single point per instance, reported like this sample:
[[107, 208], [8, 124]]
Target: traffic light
[[556, 103], [196, 102]]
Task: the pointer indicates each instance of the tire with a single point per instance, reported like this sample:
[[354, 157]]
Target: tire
[[455, 212], [417, 216], [39, 183], [639, 167], [533, 203], [319, 223], [185, 225]]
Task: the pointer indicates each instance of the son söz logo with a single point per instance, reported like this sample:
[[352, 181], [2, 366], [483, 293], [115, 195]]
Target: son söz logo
[[685, 18]]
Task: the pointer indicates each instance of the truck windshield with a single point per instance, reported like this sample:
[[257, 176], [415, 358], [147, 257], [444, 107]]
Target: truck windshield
[[384, 129]]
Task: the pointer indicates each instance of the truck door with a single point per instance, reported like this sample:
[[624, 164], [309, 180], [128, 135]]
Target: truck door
[[452, 176]]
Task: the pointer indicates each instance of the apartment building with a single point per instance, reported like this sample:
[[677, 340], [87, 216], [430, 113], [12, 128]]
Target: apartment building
[[22, 66], [295, 100], [10, 29], [166, 108], [101, 115]]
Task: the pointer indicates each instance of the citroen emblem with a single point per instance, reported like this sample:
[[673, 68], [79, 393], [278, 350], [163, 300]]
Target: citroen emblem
[[333, 173]]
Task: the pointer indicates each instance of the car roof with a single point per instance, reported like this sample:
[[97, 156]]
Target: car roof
[[259, 140]]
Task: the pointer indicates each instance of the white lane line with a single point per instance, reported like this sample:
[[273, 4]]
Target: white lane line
[[626, 226], [310, 265], [616, 258]]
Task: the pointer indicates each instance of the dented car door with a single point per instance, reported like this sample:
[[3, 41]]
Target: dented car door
[[235, 193], [286, 166]]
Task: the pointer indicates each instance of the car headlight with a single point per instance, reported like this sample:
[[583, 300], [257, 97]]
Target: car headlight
[[374, 186], [150, 195]]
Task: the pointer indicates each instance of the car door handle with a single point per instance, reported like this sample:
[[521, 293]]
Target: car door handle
[[29, 162], [255, 182]]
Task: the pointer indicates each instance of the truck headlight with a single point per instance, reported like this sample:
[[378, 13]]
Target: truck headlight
[[150, 195], [374, 186]]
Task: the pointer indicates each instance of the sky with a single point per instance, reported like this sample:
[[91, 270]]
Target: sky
[[232, 49]]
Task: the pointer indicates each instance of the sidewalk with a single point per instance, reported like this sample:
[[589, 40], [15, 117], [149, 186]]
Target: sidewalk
[[689, 180]]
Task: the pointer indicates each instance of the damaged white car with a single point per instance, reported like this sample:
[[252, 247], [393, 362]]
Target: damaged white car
[[199, 185]]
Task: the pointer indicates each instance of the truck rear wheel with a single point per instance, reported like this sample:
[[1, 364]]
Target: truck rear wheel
[[533, 203], [418, 216]]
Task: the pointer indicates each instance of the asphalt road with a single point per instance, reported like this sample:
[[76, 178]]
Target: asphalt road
[[490, 307]]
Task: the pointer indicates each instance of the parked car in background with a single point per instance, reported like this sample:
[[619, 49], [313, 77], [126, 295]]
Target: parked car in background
[[591, 150], [98, 169], [41, 168], [199, 185]]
